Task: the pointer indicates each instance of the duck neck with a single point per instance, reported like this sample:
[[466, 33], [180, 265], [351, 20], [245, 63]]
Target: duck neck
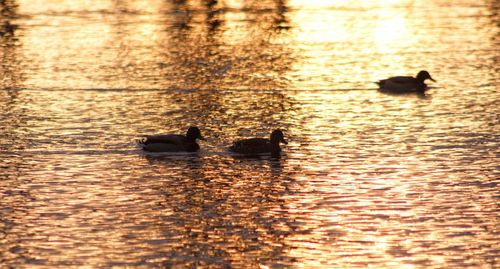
[[420, 80], [191, 138], [275, 145]]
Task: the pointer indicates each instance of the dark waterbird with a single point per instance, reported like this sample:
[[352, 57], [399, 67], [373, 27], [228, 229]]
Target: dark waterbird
[[405, 84], [173, 142], [254, 146]]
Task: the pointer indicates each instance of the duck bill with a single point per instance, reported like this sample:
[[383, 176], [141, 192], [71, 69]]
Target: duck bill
[[201, 138], [432, 79], [284, 141]]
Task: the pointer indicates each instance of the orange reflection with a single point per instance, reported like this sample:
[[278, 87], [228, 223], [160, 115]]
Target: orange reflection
[[368, 180]]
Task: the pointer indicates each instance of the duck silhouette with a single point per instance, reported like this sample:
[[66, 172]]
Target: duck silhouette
[[405, 84], [254, 146], [173, 142]]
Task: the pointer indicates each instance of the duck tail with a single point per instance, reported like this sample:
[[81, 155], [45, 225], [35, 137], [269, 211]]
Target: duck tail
[[141, 142], [235, 147]]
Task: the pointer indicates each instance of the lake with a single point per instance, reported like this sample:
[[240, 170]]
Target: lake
[[368, 179]]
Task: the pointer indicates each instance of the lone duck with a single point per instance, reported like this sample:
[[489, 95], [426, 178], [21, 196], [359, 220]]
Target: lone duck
[[405, 84], [254, 146], [173, 142]]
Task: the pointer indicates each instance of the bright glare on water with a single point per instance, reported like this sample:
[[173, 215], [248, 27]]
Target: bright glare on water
[[368, 179]]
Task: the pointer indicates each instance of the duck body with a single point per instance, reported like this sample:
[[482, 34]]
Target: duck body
[[173, 142], [405, 84], [254, 146]]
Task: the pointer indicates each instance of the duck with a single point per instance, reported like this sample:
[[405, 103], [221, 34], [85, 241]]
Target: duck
[[253, 146], [405, 84], [173, 142]]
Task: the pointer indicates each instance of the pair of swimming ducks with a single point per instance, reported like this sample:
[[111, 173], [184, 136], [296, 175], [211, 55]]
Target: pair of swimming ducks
[[252, 146], [187, 143]]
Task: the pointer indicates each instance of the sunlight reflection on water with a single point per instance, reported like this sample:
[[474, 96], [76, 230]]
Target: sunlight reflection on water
[[368, 179]]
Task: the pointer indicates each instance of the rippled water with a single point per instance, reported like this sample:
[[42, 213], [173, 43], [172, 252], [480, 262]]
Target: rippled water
[[367, 180]]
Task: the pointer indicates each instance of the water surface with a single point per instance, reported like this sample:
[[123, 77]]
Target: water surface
[[367, 179]]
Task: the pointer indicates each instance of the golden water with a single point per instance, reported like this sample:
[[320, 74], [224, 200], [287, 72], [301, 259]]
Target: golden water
[[367, 180]]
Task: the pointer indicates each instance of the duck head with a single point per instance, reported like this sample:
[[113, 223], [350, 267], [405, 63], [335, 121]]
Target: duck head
[[277, 137], [423, 75], [194, 133]]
